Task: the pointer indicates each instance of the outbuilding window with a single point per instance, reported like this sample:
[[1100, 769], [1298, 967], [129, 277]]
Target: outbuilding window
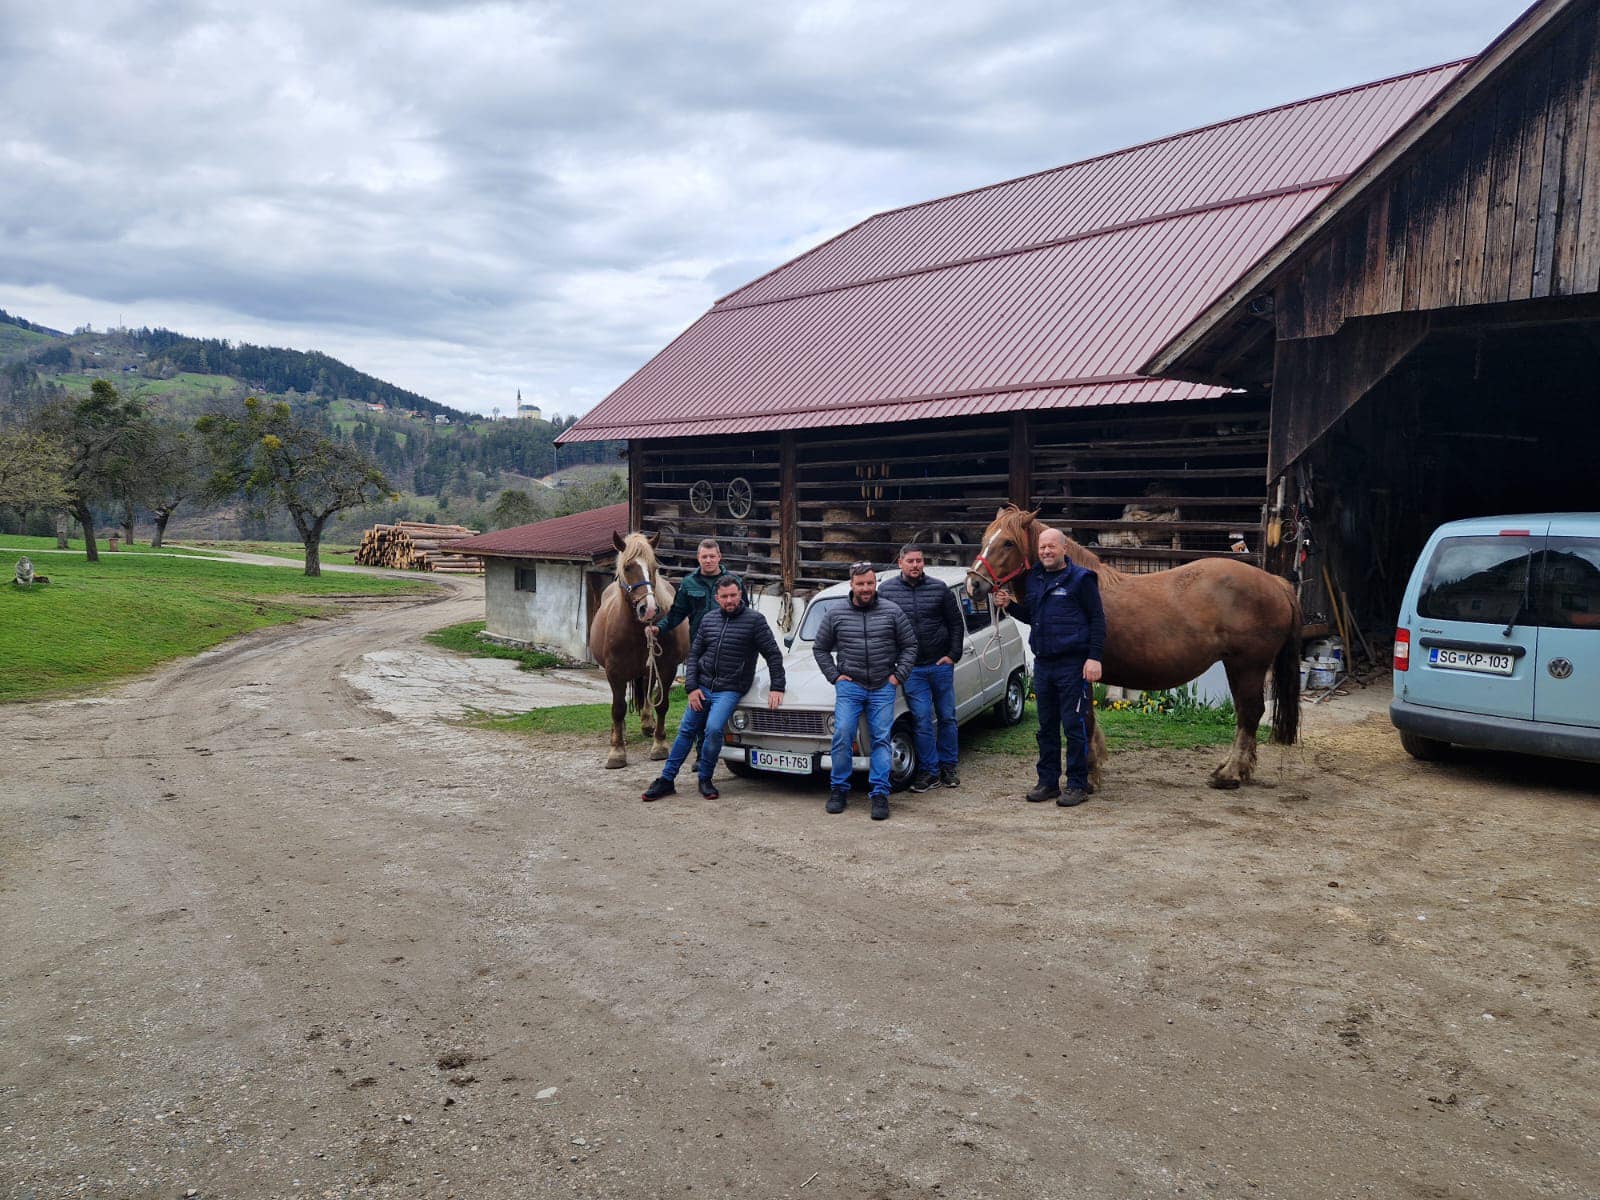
[[528, 577]]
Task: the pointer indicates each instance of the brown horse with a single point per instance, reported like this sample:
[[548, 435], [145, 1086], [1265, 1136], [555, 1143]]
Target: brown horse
[[618, 643], [1166, 628]]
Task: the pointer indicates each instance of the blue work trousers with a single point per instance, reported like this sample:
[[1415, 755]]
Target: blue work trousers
[[931, 696], [1063, 701], [706, 724], [850, 700]]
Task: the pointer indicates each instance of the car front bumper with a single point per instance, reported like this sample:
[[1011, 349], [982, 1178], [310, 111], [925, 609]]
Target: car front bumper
[[739, 754], [1497, 733]]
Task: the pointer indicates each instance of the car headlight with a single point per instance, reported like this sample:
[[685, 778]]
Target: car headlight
[[741, 720], [830, 724]]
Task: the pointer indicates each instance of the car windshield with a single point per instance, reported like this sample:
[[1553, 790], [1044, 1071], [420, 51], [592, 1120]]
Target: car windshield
[[814, 614]]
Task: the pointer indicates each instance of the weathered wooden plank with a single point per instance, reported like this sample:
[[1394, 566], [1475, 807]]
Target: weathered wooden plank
[[1479, 169], [1504, 160], [788, 510], [1530, 169], [1585, 271], [1419, 205], [1441, 175], [1566, 274], [1547, 215], [1392, 289]]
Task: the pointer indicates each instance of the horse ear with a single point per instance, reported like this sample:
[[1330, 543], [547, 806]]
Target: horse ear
[[1033, 516], [1001, 511], [616, 540], [653, 538]]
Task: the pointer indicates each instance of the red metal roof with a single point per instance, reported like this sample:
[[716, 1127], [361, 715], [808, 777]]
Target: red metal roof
[[1047, 291], [582, 537]]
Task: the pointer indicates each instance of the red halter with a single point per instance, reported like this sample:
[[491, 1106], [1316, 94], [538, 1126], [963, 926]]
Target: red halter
[[998, 580]]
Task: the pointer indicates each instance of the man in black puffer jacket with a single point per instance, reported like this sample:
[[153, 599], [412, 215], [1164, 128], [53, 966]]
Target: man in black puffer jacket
[[931, 688], [876, 649], [720, 669]]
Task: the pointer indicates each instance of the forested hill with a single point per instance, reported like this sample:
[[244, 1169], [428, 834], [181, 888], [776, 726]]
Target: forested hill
[[157, 354]]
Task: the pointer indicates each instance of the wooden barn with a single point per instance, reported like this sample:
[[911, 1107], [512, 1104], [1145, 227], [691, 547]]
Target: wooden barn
[[902, 380], [1430, 336]]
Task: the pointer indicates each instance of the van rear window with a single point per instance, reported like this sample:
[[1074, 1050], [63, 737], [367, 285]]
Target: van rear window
[[1568, 583], [1481, 579]]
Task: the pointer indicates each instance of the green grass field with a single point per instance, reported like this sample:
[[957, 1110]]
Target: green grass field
[[98, 622], [334, 552], [1126, 730], [35, 545], [463, 639]]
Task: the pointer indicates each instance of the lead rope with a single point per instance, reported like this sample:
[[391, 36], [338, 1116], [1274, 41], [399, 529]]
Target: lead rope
[[994, 641], [655, 690]]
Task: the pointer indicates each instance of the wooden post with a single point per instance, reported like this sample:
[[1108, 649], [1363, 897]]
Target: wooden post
[[1021, 482], [788, 513], [636, 461]]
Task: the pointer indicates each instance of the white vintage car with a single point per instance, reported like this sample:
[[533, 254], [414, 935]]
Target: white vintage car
[[797, 738]]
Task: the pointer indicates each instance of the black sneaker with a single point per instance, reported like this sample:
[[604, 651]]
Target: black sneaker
[[837, 799], [661, 787], [948, 777], [880, 807], [709, 789], [1042, 793], [924, 781], [1073, 798]]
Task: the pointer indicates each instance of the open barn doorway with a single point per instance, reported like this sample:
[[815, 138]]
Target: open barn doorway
[[1474, 422]]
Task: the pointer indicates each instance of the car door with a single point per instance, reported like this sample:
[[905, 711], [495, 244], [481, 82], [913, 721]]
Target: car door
[[1566, 681], [980, 679], [1476, 643]]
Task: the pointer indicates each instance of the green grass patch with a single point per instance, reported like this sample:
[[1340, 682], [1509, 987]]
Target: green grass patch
[[35, 545], [1124, 729], [331, 551], [464, 639], [98, 622]]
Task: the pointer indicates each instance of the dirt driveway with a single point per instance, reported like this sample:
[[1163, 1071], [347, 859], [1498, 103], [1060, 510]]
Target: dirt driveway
[[264, 940]]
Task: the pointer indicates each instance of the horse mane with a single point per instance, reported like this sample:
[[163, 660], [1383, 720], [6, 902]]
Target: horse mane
[[634, 547]]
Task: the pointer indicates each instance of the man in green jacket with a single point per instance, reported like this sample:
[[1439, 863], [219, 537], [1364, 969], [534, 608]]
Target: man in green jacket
[[697, 595]]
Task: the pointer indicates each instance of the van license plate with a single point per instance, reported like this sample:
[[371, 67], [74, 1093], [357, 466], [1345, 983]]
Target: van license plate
[[1470, 660], [779, 760]]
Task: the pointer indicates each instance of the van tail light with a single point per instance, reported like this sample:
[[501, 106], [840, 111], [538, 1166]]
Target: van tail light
[[1402, 649]]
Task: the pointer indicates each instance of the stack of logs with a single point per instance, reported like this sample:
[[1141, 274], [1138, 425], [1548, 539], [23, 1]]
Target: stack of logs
[[417, 546]]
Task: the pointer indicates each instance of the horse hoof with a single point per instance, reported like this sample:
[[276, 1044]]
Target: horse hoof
[[1224, 785], [657, 753], [613, 761]]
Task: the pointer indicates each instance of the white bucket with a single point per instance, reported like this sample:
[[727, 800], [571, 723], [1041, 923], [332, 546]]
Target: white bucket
[[1327, 647], [1323, 672]]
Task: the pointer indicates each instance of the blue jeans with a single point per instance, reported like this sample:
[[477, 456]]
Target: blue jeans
[[708, 724], [850, 700], [931, 692], [1063, 701]]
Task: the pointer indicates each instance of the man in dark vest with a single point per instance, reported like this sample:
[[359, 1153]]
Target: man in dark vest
[[931, 688], [1060, 601], [720, 669], [695, 598]]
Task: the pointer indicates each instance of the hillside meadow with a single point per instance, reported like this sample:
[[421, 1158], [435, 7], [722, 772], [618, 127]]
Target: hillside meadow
[[96, 623]]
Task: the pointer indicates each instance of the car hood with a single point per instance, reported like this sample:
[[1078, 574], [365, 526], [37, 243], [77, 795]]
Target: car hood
[[807, 686]]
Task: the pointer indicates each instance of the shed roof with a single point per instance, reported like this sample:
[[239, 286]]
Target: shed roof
[[1047, 291], [581, 537]]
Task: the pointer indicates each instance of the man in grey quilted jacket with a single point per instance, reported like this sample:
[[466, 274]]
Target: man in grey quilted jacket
[[866, 647]]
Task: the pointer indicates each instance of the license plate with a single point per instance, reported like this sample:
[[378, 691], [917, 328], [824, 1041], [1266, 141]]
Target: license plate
[[1470, 660], [780, 760]]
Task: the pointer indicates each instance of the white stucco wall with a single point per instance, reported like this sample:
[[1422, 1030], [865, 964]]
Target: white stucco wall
[[552, 618]]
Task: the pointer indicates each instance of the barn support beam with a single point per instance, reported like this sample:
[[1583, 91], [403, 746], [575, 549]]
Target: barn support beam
[[1020, 484], [636, 473], [788, 513]]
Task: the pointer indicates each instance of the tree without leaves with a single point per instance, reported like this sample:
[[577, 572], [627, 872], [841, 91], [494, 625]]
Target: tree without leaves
[[172, 472], [266, 453]]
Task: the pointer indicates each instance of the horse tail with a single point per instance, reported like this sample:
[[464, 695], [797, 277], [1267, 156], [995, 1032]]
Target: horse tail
[[1286, 678], [637, 689]]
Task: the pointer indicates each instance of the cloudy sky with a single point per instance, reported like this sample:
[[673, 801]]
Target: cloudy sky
[[471, 198]]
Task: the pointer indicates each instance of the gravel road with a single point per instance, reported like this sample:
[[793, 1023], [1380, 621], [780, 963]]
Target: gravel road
[[266, 936]]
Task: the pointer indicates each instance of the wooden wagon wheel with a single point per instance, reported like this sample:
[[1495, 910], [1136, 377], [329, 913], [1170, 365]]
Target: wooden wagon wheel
[[740, 497], [701, 496]]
